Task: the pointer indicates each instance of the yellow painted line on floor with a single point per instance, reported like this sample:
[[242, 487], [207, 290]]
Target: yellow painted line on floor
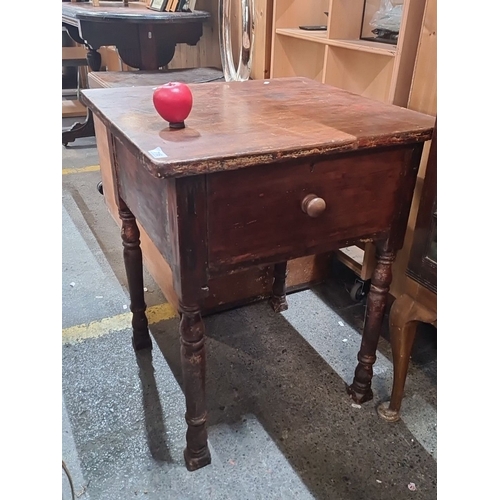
[[96, 329], [81, 170]]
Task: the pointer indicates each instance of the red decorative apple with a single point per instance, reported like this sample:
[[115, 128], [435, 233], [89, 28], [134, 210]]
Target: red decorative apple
[[173, 102]]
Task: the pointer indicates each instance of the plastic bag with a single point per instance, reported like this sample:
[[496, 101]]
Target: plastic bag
[[388, 17]]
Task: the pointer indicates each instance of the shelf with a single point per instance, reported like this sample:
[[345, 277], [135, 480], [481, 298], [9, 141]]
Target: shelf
[[321, 37], [73, 108], [341, 56], [365, 46], [311, 36], [74, 56]]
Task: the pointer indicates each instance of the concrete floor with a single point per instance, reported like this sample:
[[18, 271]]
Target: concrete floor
[[281, 425]]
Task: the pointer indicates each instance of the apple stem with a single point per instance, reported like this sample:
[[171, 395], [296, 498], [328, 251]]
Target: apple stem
[[176, 124]]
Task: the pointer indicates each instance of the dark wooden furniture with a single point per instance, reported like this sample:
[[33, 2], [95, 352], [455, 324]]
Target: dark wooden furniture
[[145, 39], [226, 291], [263, 172], [419, 303]]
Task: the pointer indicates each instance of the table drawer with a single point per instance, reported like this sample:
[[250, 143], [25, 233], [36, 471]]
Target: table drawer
[[257, 215]]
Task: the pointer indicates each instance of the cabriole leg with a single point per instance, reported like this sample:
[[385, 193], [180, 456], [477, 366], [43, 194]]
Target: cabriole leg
[[404, 318]]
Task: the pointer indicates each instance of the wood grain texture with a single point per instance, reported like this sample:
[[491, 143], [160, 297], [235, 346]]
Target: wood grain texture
[[240, 124], [146, 197], [261, 57], [408, 40], [114, 79], [106, 161], [423, 93], [362, 192]]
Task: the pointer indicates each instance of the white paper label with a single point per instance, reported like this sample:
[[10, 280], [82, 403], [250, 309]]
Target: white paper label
[[157, 153]]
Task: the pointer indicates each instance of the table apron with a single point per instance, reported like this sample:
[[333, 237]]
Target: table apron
[[255, 215]]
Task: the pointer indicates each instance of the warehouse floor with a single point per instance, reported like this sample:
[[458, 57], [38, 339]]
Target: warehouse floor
[[281, 425]]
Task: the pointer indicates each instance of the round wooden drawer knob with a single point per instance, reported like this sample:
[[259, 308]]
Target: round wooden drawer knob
[[313, 205]]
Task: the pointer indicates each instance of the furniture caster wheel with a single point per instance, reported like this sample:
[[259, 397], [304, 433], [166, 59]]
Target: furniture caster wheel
[[65, 144], [99, 188], [359, 290]]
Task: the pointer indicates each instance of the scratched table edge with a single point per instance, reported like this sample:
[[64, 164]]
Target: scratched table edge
[[191, 166]]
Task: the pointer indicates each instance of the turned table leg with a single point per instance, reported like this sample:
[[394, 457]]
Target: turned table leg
[[132, 256], [360, 390], [278, 297], [405, 315], [193, 359]]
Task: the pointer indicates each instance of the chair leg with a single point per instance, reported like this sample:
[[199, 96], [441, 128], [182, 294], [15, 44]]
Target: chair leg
[[404, 317]]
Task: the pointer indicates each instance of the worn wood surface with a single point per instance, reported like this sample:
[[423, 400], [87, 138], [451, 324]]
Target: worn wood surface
[[112, 79], [240, 124]]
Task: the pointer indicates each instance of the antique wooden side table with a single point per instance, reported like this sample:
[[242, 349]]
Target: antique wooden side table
[[265, 171]]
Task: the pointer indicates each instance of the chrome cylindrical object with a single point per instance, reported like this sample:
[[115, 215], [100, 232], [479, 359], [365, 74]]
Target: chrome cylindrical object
[[242, 72]]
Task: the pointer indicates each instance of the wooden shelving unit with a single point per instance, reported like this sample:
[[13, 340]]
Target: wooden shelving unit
[[341, 58], [338, 56]]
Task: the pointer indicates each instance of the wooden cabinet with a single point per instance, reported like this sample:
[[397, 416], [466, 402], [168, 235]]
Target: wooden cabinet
[[338, 56]]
